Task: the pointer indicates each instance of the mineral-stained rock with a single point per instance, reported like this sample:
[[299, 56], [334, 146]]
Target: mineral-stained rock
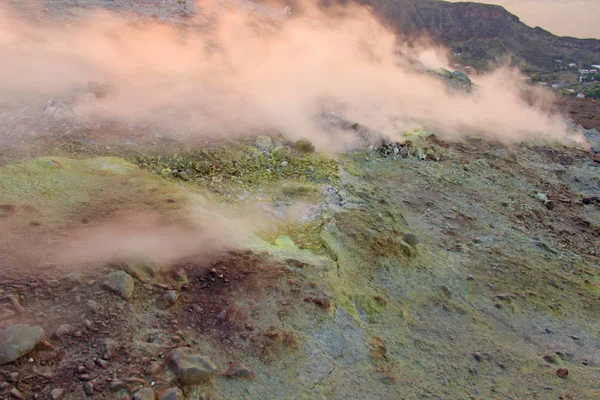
[[171, 394], [237, 369], [18, 340], [191, 368], [120, 283]]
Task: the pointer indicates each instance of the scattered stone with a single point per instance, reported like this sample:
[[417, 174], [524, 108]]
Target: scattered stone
[[264, 142], [550, 358], [139, 265], [52, 283], [180, 275], [322, 301], [411, 239], [154, 368], [144, 394], [18, 340], [388, 380], [88, 388], [237, 369], [110, 347], [446, 291], [57, 394], [64, 330], [93, 306], [115, 386], [167, 299], [46, 372], [562, 372], [470, 278], [477, 355], [304, 146], [171, 394], [101, 363], [191, 368], [292, 262], [381, 300], [120, 283], [16, 393], [222, 316]]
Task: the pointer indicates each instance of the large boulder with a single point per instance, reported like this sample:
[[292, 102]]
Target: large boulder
[[190, 367], [18, 340]]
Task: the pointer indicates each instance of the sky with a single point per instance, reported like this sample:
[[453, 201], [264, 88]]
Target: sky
[[578, 18]]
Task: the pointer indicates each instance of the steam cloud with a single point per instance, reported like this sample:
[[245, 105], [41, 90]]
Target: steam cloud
[[239, 73]]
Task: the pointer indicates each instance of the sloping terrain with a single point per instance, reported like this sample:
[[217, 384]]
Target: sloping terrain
[[471, 276], [140, 264], [483, 32]]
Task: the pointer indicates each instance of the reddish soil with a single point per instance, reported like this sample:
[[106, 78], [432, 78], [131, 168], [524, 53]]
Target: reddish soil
[[585, 112], [255, 292]]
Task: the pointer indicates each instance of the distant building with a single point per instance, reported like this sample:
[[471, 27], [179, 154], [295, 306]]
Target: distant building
[[580, 96], [593, 71], [572, 65], [596, 66], [570, 90], [584, 71]]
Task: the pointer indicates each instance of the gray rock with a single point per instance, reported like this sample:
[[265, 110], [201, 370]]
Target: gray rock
[[18, 340], [191, 368], [57, 394], [93, 306], [237, 369], [109, 347], [120, 283], [74, 278], [264, 142], [115, 386], [171, 394], [144, 394], [64, 330], [167, 299], [411, 239], [16, 394], [139, 265], [88, 388]]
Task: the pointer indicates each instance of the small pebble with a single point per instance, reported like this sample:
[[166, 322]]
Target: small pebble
[[88, 388], [562, 372]]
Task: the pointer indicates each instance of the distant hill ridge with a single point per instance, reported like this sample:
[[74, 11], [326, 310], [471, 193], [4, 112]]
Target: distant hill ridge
[[483, 32]]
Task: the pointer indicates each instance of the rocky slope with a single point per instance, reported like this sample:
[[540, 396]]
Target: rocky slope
[[138, 266], [483, 32]]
